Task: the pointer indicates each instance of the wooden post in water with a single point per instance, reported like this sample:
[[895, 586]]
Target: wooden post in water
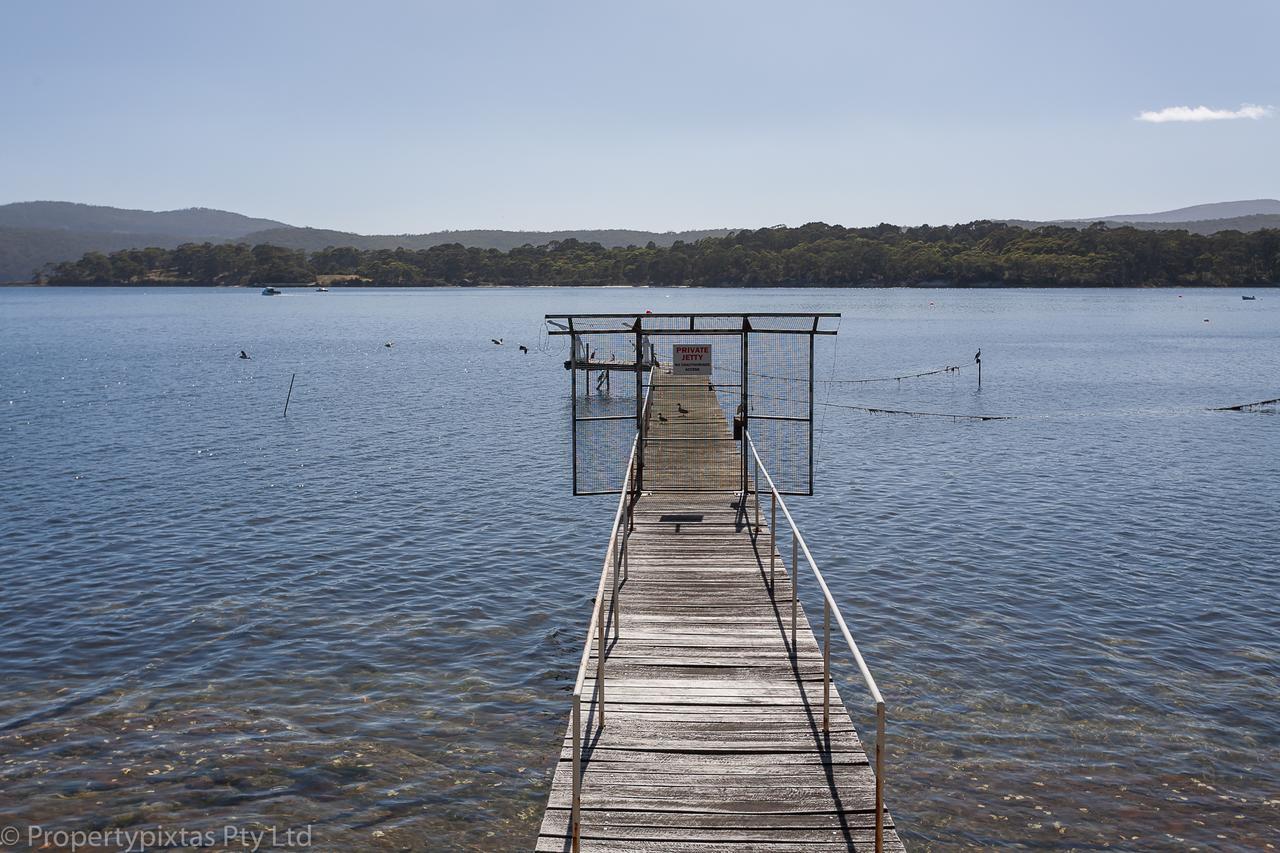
[[289, 395]]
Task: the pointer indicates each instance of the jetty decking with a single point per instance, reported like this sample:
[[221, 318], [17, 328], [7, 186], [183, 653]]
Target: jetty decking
[[713, 732]]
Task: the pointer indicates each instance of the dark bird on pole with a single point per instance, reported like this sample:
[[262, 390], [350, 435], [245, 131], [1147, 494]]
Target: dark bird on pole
[[497, 341], [244, 354], [524, 349], [977, 357]]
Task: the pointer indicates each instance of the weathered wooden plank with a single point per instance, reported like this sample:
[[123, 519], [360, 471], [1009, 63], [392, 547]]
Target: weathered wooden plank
[[860, 841], [604, 820]]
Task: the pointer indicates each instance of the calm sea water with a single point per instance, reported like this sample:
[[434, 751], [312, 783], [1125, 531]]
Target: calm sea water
[[366, 617]]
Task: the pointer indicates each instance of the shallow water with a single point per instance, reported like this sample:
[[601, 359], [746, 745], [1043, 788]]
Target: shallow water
[[366, 617]]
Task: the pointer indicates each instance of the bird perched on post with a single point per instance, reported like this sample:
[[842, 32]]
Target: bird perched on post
[[977, 357]]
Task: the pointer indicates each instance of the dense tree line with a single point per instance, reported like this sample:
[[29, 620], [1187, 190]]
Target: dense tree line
[[818, 255]]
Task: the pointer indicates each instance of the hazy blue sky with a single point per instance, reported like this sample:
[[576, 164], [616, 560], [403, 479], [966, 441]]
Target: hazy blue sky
[[416, 116]]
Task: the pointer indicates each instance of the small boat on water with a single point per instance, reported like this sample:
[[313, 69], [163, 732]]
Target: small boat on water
[[322, 290], [1249, 298], [270, 291]]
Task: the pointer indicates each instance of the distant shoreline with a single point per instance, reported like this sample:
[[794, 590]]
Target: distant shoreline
[[931, 285]]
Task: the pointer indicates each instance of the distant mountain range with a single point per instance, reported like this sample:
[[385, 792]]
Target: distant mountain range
[[1198, 219], [36, 233], [1203, 212]]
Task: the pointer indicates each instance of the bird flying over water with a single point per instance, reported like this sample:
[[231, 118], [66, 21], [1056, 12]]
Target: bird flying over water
[[244, 354], [497, 341]]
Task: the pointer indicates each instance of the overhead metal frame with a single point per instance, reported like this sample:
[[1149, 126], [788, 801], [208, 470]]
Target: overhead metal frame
[[637, 325]]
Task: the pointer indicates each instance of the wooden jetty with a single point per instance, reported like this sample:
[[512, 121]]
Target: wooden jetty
[[711, 722], [587, 360]]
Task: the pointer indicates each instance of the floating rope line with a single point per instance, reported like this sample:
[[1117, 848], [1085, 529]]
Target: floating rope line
[[872, 410], [1248, 407], [935, 372], [876, 410]]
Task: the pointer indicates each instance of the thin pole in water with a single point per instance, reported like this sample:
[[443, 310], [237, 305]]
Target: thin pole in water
[[290, 394], [978, 358]]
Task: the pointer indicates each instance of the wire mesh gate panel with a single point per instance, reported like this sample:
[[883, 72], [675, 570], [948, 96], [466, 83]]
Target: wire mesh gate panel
[[605, 394], [691, 387], [780, 407]]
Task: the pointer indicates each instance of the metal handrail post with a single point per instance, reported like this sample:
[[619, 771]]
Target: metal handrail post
[[575, 817], [880, 748], [600, 668], [773, 535], [615, 604], [826, 666], [757, 488], [795, 554]]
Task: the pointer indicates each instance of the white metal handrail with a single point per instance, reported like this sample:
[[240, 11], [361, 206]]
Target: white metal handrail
[[616, 562], [829, 607]]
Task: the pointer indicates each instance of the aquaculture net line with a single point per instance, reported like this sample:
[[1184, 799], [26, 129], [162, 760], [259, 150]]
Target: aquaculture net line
[[1267, 406], [1259, 406], [940, 371]]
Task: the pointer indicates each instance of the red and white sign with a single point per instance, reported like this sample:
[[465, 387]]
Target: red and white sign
[[691, 359]]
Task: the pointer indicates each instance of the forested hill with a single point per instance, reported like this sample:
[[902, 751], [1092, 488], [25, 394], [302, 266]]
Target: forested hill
[[314, 239], [36, 233], [976, 254]]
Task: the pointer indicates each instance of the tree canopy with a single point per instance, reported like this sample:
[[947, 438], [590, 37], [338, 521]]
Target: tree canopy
[[814, 255]]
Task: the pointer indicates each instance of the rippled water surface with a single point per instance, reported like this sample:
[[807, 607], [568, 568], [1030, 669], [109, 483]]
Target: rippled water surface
[[366, 617]]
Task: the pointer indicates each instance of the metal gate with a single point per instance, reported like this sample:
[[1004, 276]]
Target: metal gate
[[686, 390]]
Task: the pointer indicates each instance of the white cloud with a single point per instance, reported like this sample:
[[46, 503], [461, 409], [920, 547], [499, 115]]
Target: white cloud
[[1203, 113]]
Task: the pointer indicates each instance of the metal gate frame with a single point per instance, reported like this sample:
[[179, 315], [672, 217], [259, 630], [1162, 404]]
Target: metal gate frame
[[578, 327]]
